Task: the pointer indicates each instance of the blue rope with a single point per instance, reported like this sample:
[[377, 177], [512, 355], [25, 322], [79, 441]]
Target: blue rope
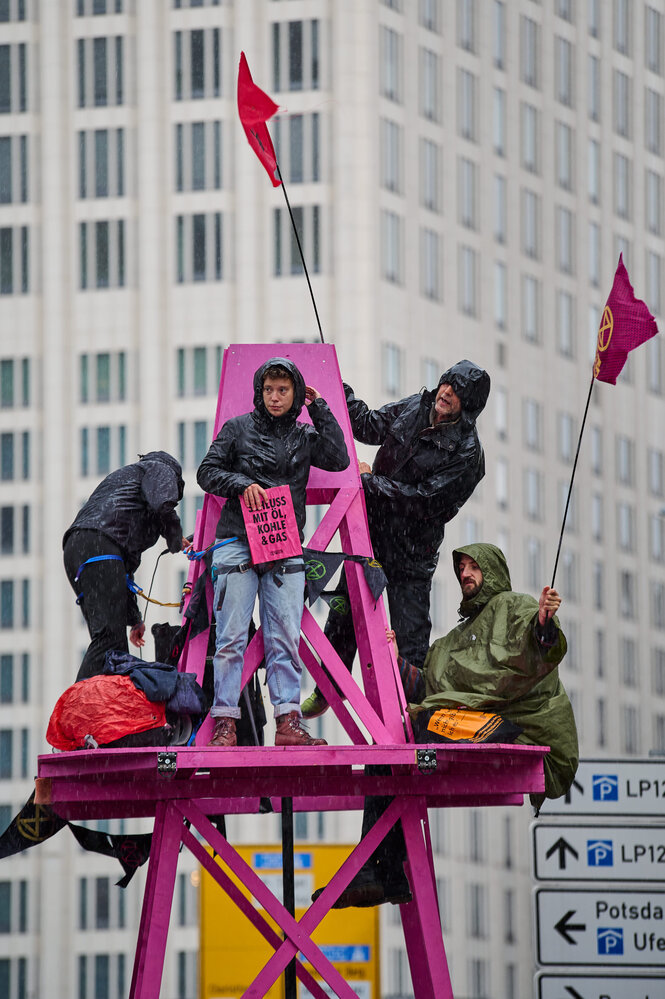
[[197, 556]]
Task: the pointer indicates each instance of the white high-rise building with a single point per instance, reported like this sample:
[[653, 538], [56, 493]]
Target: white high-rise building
[[464, 174]]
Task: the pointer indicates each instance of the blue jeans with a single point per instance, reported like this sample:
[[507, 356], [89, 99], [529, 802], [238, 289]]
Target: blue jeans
[[280, 609]]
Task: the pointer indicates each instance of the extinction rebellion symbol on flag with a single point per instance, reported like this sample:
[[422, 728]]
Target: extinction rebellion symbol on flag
[[605, 331]]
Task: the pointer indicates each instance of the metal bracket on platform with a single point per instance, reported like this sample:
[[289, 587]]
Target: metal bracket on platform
[[426, 760], [167, 763]]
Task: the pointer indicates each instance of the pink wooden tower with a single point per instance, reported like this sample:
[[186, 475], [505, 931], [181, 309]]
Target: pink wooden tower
[[183, 786]]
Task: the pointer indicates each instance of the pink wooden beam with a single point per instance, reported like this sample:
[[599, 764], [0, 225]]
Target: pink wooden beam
[[420, 919], [246, 907], [274, 908], [157, 899]]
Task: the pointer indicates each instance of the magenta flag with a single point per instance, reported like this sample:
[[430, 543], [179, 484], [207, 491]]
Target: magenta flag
[[625, 324], [254, 108]]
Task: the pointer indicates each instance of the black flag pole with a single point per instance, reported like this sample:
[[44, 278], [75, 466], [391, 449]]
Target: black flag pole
[[302, 255], [572, 479]]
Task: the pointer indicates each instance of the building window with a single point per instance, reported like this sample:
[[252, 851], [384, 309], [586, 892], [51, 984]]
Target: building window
[[430, 14], [594, 171], [499, 120], [86, 8], [658, 605], [531, 309], [529, 52], [467, 182], [627, 594], [102, 254], [13, 78], [564, 156], [430, 264], [530, 137], [625, 460], [621, 186], [534, 563], [467, 102], [430, 85], [653, 193], [100, 63], [565, 324], [392, 247], [197, 64], [199, 247], [653, 39], [101, 163], [296, 57], [594, 254], [468, 281], [626, 526], [628, 659], [593, 16], [466, 24], [630, 729], [430, 175], [198, 156], [533, 424], [593, 88], [656, 472], [391, 56], [658, 669], [621, 89], [598, 586], [566, 437], [565, 239], [14, 260], [653, 116], [533, 494], [477, 912], [102, 377], [392, 369], [502, 479], [198, 370], [563, 67], [530, 224], [499, 34], [392, 145], [102, 449], [622, 17], [13, 169], [597, 516], [500, 294]]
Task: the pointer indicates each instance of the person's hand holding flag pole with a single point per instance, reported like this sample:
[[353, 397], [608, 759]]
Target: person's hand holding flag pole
[[255, 108], [626, 322]]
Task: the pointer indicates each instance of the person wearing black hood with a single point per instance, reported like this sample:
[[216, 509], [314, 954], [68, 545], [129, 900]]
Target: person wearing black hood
[[251, 453], [429, 462], [126, 514]]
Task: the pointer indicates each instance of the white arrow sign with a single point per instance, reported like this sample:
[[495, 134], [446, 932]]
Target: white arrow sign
[[598, 853], [579, 926], [600, 987], [613, 787]]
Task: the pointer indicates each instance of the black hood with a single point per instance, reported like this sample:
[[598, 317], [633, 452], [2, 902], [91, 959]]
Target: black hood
[[298, 386], [166, 459], [471, 384]]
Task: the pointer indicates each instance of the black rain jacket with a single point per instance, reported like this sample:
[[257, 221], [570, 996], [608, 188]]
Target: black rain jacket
[[272, 451], [421, 475], [135, 505]]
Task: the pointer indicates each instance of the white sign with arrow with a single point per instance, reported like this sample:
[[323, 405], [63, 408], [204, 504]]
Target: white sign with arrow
[[600, 987], [613, 788], [598, 853], [609, 928]]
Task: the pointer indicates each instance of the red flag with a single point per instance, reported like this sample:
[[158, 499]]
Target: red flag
[[625, 324], [254, 108]]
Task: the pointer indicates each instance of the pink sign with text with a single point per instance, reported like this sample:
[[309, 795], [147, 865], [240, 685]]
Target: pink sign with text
[[272, 532]]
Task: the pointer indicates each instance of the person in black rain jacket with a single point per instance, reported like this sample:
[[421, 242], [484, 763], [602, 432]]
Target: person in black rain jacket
[[253, 452], [126, 514], [429, 462]]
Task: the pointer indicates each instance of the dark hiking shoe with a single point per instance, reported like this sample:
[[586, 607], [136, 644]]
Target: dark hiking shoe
[[366, 890], [290, 732], [224, 733]]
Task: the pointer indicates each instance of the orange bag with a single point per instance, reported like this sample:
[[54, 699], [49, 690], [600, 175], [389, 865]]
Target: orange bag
[[105, 707]]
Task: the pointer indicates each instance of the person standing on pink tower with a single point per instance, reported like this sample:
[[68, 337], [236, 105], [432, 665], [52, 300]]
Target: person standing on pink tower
[[253, 452]]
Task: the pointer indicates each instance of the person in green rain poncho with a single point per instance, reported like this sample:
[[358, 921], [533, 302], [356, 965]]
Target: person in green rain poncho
[[493, 678]]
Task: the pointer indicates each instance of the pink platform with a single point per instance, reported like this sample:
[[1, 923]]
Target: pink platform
[[183, 786]]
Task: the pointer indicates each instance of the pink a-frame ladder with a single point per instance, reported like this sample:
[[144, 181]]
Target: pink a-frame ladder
[[182, 787]]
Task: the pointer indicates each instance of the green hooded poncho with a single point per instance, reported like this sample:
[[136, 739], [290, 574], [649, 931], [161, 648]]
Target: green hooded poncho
[[492, 661]]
